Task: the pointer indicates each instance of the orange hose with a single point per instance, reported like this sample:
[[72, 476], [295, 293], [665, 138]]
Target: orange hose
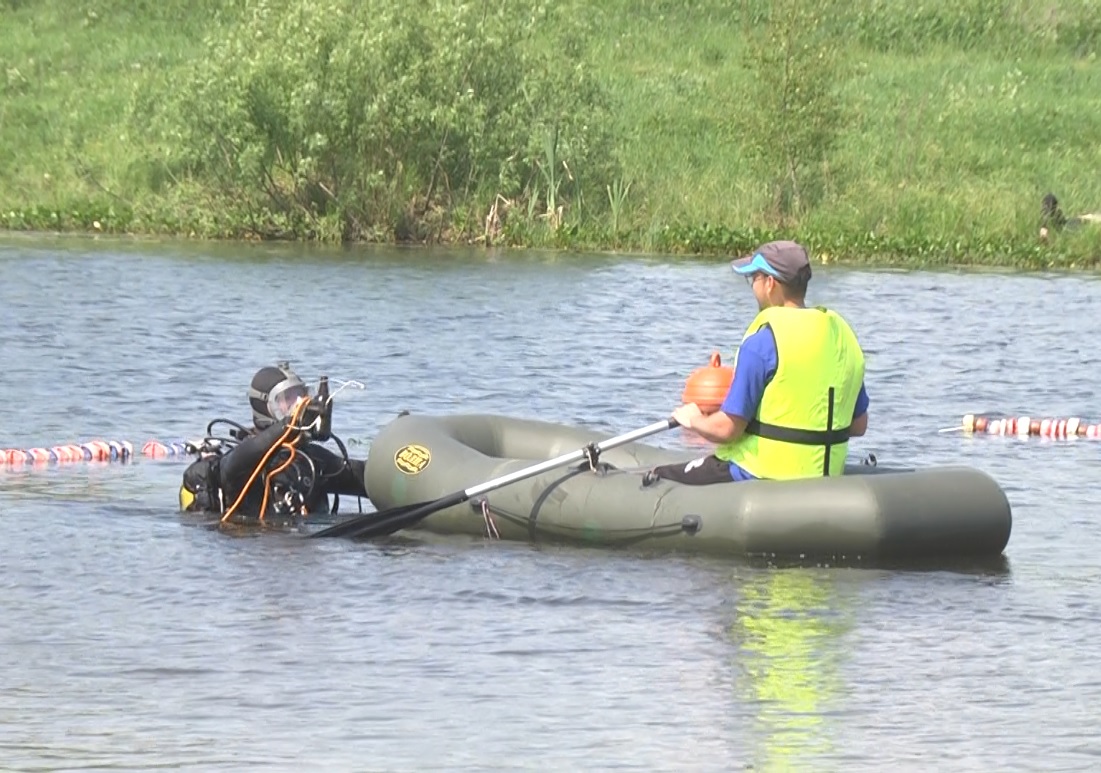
[[291, 427]]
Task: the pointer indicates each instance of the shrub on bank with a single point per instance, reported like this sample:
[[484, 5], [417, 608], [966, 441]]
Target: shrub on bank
[[344, 119]]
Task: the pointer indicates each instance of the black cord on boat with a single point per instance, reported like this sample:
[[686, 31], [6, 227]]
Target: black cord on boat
[[689, 524]]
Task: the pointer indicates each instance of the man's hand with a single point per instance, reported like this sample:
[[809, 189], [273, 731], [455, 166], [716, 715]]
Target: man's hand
[[718, 427], [685, 414]]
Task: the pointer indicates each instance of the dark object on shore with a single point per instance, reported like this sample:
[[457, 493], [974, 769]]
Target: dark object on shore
[[1053, 219]]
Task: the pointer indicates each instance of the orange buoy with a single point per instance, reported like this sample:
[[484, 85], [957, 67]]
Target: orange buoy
[[707, 386]]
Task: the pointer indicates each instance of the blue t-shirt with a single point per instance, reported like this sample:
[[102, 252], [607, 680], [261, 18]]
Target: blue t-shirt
[[756, 365]]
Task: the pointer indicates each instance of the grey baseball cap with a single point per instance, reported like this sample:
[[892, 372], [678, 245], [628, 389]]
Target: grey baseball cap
[[784, 260]]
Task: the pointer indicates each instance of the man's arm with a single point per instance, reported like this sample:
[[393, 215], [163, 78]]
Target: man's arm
[[718, 427], [239, 464], [859, 423], [859, 426], [336, 476]]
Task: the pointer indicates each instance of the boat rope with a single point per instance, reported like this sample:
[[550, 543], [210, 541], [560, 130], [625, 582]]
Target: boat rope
[[689, 524], [487, 517], [537, 505]]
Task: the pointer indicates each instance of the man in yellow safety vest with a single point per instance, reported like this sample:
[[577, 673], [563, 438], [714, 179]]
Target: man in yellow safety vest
[[798, 390]]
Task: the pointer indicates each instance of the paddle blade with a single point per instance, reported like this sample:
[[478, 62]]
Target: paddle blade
[[349, 525], [394, 522], [379, 523]]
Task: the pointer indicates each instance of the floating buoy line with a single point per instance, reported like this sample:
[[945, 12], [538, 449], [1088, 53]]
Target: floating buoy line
[[1053, 428], [93, 451], [122, 451]]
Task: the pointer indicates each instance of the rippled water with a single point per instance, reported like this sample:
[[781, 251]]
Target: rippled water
[[132, 639]]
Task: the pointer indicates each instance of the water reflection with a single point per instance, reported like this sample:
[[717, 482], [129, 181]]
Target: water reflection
[[788, 631]]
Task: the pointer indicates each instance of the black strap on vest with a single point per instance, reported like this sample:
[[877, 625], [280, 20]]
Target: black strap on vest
[[804, 437]]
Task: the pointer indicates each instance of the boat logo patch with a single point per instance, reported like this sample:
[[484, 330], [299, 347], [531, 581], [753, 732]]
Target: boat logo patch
[[412, 458]]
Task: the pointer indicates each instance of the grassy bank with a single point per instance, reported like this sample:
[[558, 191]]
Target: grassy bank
[[874, 130]]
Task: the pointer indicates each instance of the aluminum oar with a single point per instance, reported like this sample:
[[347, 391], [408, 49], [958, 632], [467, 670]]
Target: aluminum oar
[[385, 522]]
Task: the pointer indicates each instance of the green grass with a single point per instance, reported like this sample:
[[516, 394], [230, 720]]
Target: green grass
[[945, 146], [956, 116], [68, 75]]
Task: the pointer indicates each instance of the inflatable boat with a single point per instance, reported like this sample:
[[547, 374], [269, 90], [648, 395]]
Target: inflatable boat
[[871, 513]]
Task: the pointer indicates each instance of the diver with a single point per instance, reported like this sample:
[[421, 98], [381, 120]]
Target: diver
[[276, 469]]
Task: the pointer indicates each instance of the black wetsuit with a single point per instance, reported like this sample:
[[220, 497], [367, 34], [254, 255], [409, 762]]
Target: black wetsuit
[[213, 482]]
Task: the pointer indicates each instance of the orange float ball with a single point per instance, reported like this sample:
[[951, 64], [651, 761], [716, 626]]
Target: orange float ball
[[707, 386]]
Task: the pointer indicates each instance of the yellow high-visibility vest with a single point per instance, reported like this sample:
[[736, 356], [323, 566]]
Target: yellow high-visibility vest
[[801, 429]]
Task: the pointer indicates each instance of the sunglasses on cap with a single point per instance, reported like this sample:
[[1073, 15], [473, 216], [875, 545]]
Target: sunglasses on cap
[[759, 265]]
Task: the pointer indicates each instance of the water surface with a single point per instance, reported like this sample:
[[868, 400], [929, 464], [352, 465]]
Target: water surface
[[134, 639]]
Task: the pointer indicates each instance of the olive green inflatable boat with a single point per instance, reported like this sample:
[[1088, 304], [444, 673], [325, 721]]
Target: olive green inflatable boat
[[870, 513]]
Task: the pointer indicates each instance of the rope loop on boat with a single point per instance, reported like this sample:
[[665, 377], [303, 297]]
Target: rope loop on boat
[[487, 517]]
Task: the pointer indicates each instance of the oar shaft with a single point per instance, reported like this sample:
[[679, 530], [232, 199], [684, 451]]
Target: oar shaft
[[564, 459], [389, 521]]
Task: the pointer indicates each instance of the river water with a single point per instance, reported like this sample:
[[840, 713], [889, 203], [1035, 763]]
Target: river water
[[133, 639]]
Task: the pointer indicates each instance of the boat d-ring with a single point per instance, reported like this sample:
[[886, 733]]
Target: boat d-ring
[[691, 525], [592, 456]]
